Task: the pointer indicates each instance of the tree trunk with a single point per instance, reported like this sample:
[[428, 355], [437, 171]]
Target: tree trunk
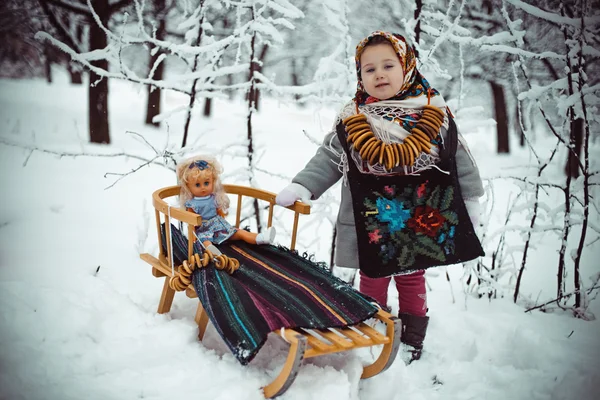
[[251, 97], [75, 74], [518, 125], [154, 93], [574, 154], [255, 65], [188, 120], [207, 106], [295, 77], [75, 71], [98, 88], [417, 15], [501, 117], [47, 65]]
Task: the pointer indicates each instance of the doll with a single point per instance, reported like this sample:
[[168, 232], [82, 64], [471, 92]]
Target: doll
[[202, 193]]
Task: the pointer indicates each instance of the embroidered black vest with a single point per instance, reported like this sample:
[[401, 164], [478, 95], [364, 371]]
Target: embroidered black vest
[[406, 223]]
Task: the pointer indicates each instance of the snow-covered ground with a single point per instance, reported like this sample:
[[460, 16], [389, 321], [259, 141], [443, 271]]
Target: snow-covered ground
[[78, 307]]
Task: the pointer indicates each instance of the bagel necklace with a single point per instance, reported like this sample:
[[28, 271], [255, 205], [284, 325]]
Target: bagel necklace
[[390, 155]]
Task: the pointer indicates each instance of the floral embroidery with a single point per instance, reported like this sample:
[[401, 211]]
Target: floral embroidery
[[374, 236], [393, 212], [426, 220], [411, 222], [421, 189]]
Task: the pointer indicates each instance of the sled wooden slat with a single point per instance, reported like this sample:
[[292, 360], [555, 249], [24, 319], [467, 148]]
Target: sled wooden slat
[[337, 340], [372, 333], [316, 345], [303, 343], [356, 337]]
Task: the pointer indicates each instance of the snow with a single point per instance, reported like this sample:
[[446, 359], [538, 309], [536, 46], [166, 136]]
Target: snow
[[78, 307]]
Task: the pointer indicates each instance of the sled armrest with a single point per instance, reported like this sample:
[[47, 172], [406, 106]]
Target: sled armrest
[[160, 205], [298, 207]]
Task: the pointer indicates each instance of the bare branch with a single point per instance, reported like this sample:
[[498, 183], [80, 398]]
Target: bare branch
[[58, 26], [134, 170], [575, 292], [75, 8], [166, 155], [116, 7]]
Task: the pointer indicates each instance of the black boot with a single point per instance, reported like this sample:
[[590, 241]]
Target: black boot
[[414, 329]]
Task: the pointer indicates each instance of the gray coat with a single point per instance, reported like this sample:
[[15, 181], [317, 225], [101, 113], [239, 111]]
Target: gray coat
[[322, 172]]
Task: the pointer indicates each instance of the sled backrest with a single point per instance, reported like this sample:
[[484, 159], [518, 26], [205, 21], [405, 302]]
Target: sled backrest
[[165, 213]]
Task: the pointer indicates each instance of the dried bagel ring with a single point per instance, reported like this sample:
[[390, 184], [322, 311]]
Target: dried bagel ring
[[354, 118], [432, 117], [356, 127], [365, 147], [409, 157], [389, 155], [435, 109], [396, 154], [359, 125], [382, 153], [427, 130], [421, 135], [353, 136], [438, 112], [375, 153], [414, 150], [371, 150], [186, 268], [426, 122], [424, 144], [432, 120], [437, 125], [361, 139], [185, 280], [411, 140], [386, 156], [399, 147]]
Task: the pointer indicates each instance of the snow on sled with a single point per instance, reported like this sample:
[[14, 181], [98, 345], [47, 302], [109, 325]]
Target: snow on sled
[[248, 291]]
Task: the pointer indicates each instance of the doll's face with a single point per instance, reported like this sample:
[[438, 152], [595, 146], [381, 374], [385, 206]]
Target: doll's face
[[381, 71], [201, 185]]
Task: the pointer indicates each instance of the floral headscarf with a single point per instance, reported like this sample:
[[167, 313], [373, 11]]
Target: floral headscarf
[[415, 85]]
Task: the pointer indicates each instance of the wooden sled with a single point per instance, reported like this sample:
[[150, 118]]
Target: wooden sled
[[303, 344]]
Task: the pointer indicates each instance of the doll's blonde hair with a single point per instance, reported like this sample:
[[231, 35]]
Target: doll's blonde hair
[[186, 171]]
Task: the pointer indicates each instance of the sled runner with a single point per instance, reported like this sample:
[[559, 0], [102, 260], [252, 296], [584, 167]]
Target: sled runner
[[272, 290]]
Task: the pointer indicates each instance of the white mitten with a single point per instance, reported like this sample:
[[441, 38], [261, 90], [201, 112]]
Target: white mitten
[[474, 210], [293, 192]]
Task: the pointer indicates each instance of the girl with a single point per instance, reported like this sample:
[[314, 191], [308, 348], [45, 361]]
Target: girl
[[202, 193], [406, 172]]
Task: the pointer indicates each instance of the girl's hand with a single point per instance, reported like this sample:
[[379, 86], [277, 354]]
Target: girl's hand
[[293, 192], [221, 213]]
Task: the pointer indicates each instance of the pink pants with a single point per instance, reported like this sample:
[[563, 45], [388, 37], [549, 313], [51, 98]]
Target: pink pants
[[412, 296]]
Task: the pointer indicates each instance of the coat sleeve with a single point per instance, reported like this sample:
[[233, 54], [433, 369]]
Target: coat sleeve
[[323, 169], [468, 172]]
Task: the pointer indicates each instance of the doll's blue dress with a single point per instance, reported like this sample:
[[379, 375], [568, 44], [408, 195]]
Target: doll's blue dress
[[214, 228]]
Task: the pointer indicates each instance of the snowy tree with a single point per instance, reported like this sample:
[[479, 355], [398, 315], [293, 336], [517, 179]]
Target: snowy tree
[[561, 103]]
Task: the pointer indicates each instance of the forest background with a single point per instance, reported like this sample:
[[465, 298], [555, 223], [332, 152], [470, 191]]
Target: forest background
[[521, 78]]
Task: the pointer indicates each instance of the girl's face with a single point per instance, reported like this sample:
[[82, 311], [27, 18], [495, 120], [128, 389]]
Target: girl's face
[[201, 185], [380, 70]]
